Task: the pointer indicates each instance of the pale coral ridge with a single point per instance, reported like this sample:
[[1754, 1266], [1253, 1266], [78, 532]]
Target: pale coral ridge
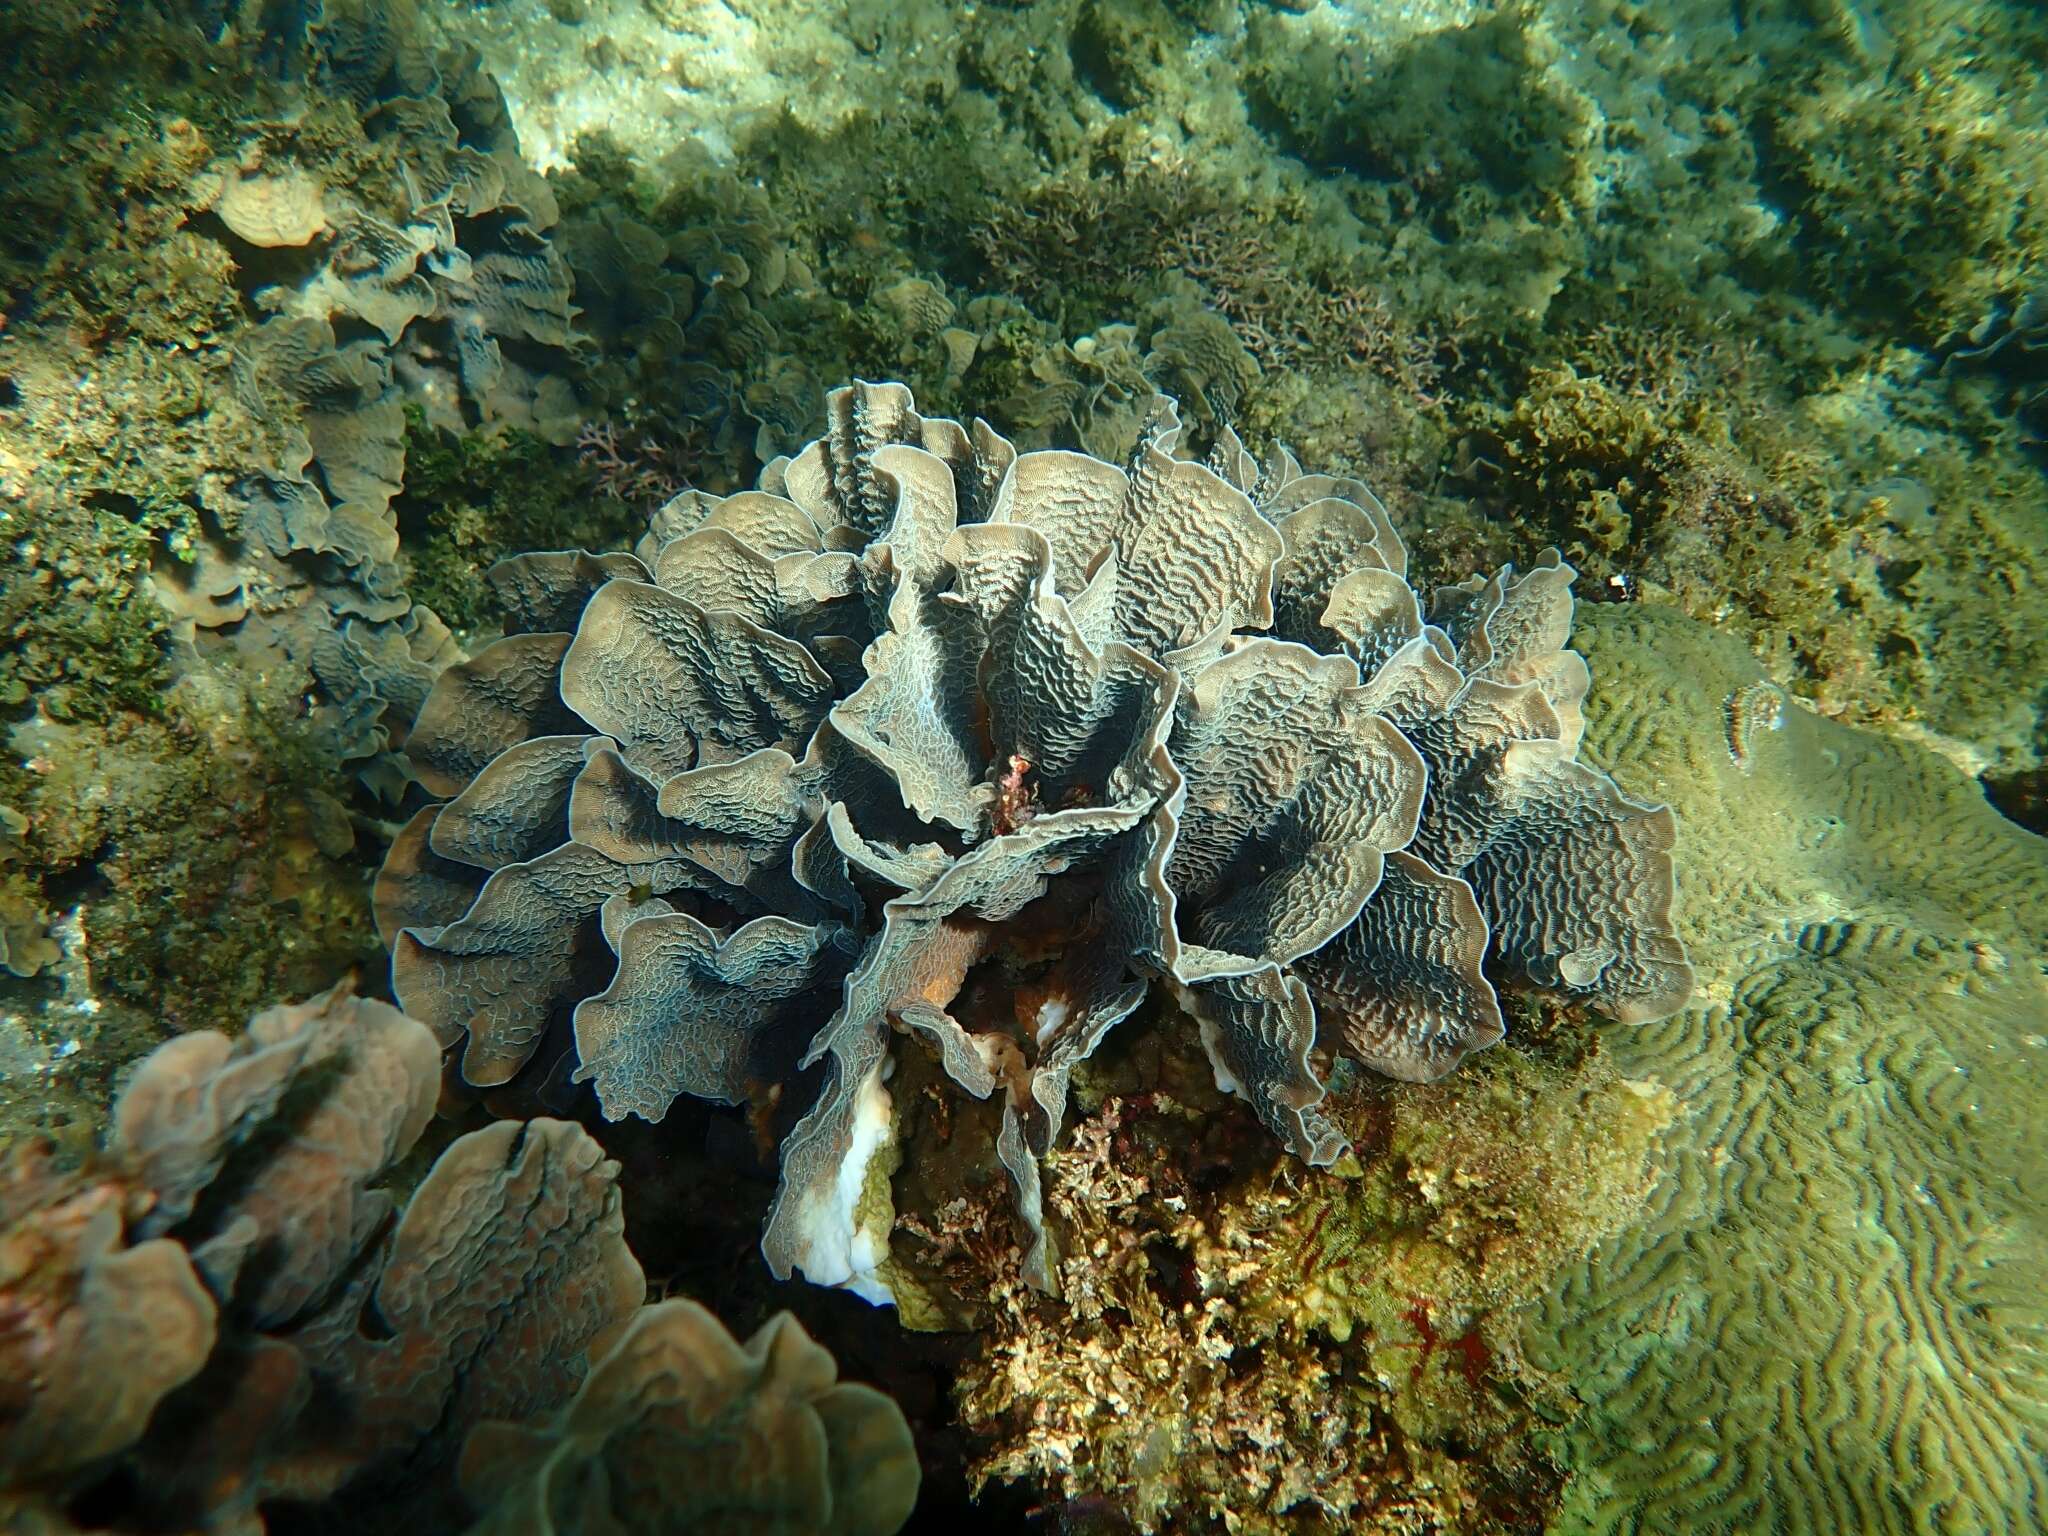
[[983, 745]]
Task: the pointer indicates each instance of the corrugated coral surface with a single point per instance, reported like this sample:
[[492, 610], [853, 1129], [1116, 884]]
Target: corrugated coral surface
[[987, 744], [1831, 1318]]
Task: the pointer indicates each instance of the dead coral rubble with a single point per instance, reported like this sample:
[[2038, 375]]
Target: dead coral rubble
[[225, 1315], [983, 745]]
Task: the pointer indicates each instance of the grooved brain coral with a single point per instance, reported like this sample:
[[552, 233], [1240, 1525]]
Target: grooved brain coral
[[925, 738], [1831, 1318]]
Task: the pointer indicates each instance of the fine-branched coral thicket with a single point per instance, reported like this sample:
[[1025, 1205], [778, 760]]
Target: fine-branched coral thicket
[[927, 739]]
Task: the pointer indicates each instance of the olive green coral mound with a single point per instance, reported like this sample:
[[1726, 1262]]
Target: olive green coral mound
[[1832, 1316]]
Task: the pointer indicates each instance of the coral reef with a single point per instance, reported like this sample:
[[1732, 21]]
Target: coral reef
[[98, 1332], [1822, 1319], [973, 738], [286, 278], [1739, 308], [154, 826], [1860, 594], [1913, 197], [1830, 1312], [411, 271], [468, 499], [2007, 343], [164, 872], [223, 1314], [188, 647], [1691, 342], [1673, 288], [705, 274]]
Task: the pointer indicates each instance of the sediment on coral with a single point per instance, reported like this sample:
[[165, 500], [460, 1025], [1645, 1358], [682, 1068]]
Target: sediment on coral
[[988, 745]]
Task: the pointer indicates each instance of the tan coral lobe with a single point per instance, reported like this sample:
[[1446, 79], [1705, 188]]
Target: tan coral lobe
[[232, 1307], [923, 726], [680, 1427]]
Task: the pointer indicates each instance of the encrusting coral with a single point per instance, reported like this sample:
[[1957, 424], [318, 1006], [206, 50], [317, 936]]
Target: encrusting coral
[[1830, 1316], [986, 744], [223, 1314]]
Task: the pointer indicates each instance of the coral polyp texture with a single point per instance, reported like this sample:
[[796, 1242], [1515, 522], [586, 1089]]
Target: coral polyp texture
[[929, 744]]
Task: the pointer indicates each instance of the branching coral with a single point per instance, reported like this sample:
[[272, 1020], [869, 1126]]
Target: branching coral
[[988, 744]]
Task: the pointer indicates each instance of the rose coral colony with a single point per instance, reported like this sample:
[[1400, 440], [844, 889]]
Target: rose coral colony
[[737, 815]]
